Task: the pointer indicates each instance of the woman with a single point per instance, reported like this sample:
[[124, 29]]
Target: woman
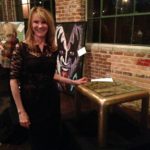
[[33, 81]]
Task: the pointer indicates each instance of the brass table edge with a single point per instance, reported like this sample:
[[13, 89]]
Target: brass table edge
[[126, 97]]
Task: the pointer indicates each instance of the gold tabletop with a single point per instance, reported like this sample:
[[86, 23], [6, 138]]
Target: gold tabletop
[[111, 92]]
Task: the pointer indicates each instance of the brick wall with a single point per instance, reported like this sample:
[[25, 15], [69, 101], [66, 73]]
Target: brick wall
[[70, 10], [127, 63]]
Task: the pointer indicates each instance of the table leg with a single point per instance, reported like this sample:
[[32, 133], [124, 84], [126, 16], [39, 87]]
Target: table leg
[[102, 125], [144, 112]]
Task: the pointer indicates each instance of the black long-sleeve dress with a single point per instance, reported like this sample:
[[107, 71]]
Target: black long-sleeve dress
[[40, 97]]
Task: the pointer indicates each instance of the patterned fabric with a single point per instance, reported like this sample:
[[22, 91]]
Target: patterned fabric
[[18, 53], [35, 71], [39, 93]]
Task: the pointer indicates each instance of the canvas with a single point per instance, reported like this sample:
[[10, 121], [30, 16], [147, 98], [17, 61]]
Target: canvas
[[70, 37], [20, 30]]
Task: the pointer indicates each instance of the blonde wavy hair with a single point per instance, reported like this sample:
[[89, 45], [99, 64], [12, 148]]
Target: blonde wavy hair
[[50, 36]]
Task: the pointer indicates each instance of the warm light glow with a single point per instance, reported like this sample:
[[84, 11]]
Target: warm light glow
[[125, 1], [25, 8], [25, 1]]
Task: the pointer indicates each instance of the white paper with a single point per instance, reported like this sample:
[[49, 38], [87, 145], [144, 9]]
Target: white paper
[[102, 80], [20, 28], [81, 51]]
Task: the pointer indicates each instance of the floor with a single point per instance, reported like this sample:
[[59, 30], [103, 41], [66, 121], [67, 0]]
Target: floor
[[81, 133]]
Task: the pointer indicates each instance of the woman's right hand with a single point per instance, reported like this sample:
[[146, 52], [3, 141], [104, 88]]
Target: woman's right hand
[[24, 119]]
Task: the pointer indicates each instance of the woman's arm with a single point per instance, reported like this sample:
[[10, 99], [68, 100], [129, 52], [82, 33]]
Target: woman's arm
[[16, 95], [23, 117], [62, 79]]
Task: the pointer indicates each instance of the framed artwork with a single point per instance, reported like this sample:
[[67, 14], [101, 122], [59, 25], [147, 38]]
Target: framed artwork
[[5, 58], [70, 37], [20, 30]]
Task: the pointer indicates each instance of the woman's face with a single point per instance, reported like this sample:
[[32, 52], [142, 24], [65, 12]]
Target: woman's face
[[39, 26]]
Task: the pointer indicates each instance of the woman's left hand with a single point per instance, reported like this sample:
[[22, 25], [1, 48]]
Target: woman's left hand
[[80, 81]]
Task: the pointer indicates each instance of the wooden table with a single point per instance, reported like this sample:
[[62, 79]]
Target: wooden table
[[106, 94]]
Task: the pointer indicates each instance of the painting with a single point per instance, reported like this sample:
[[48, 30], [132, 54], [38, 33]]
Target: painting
[[70, 37], [6, 49], [20, 30]]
